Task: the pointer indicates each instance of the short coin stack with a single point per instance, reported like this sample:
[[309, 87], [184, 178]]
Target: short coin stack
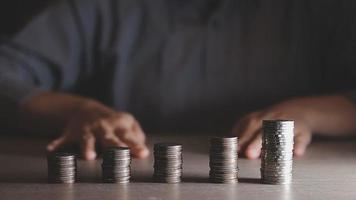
[[62, 167], [223, 160], [277, 151], [168, 162], [116, 165]]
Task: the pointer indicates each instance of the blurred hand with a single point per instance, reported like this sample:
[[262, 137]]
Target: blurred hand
[[249, 128], [95, 123], [327, 115]]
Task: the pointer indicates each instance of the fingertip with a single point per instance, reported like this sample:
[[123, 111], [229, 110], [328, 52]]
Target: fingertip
[[299, 151], [50, 147], [142, 152], [252, 153], [53, 145], [301, 143], [90, 155]]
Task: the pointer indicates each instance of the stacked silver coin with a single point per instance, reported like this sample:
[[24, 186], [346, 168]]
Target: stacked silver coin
[[277, 151], [62, 167], [223, 160], [168, 162], [116, 165]]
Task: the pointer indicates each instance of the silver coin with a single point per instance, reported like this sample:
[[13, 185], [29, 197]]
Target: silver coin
[[223, 160], [168, 162], [116, 165], [62, 167], [277, 151]]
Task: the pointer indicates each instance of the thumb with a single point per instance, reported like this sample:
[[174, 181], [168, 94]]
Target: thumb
[[302, 140]]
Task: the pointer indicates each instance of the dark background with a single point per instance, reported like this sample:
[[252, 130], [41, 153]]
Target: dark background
[[15, 13]]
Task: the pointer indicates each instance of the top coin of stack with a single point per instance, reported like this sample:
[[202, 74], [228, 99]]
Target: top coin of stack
[[62, 167], [277, 151], [168, 162], [223, 160], [116, 165]]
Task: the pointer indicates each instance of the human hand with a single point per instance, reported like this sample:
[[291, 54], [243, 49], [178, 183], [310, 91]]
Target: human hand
[[249, 128], [95, 123], [328, 115]]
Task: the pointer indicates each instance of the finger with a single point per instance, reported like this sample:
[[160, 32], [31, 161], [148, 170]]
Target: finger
[[109, 139], [128, 131], [88, 146], [104, 132], [141, 137], [142, 150], [246, 130], [253, 150], [138, 148], [112, 141], [301, 142], [57, 143]]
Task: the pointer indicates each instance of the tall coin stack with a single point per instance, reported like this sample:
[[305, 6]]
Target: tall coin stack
[[223, 160], [277, 151], [62, 167], [168, 163], [116, 165]]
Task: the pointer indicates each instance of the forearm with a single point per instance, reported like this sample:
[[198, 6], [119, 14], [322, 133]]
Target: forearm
[[338, 115], [48, 111], [29, 66]]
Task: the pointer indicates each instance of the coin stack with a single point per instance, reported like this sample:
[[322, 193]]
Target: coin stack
[[62, 167], [277, 151], [116, 165], [168, 163], [223, 160]]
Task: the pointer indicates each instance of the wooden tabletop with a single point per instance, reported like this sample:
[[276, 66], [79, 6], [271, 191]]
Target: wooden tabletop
[[328, 171]]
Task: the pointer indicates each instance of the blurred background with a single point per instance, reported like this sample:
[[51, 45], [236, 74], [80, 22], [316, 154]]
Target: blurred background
[[322, 20], [15, 13]]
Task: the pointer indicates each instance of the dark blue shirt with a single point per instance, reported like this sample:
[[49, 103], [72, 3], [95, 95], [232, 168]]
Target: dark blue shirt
[[184, 64]]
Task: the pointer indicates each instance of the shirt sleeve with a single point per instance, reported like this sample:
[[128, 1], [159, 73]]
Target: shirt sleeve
[[50, 53]]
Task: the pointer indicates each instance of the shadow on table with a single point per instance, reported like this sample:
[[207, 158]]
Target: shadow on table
[[250, 180], [142, 179], [185, 179], [206, 180], [25, 178], [194, 179]]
